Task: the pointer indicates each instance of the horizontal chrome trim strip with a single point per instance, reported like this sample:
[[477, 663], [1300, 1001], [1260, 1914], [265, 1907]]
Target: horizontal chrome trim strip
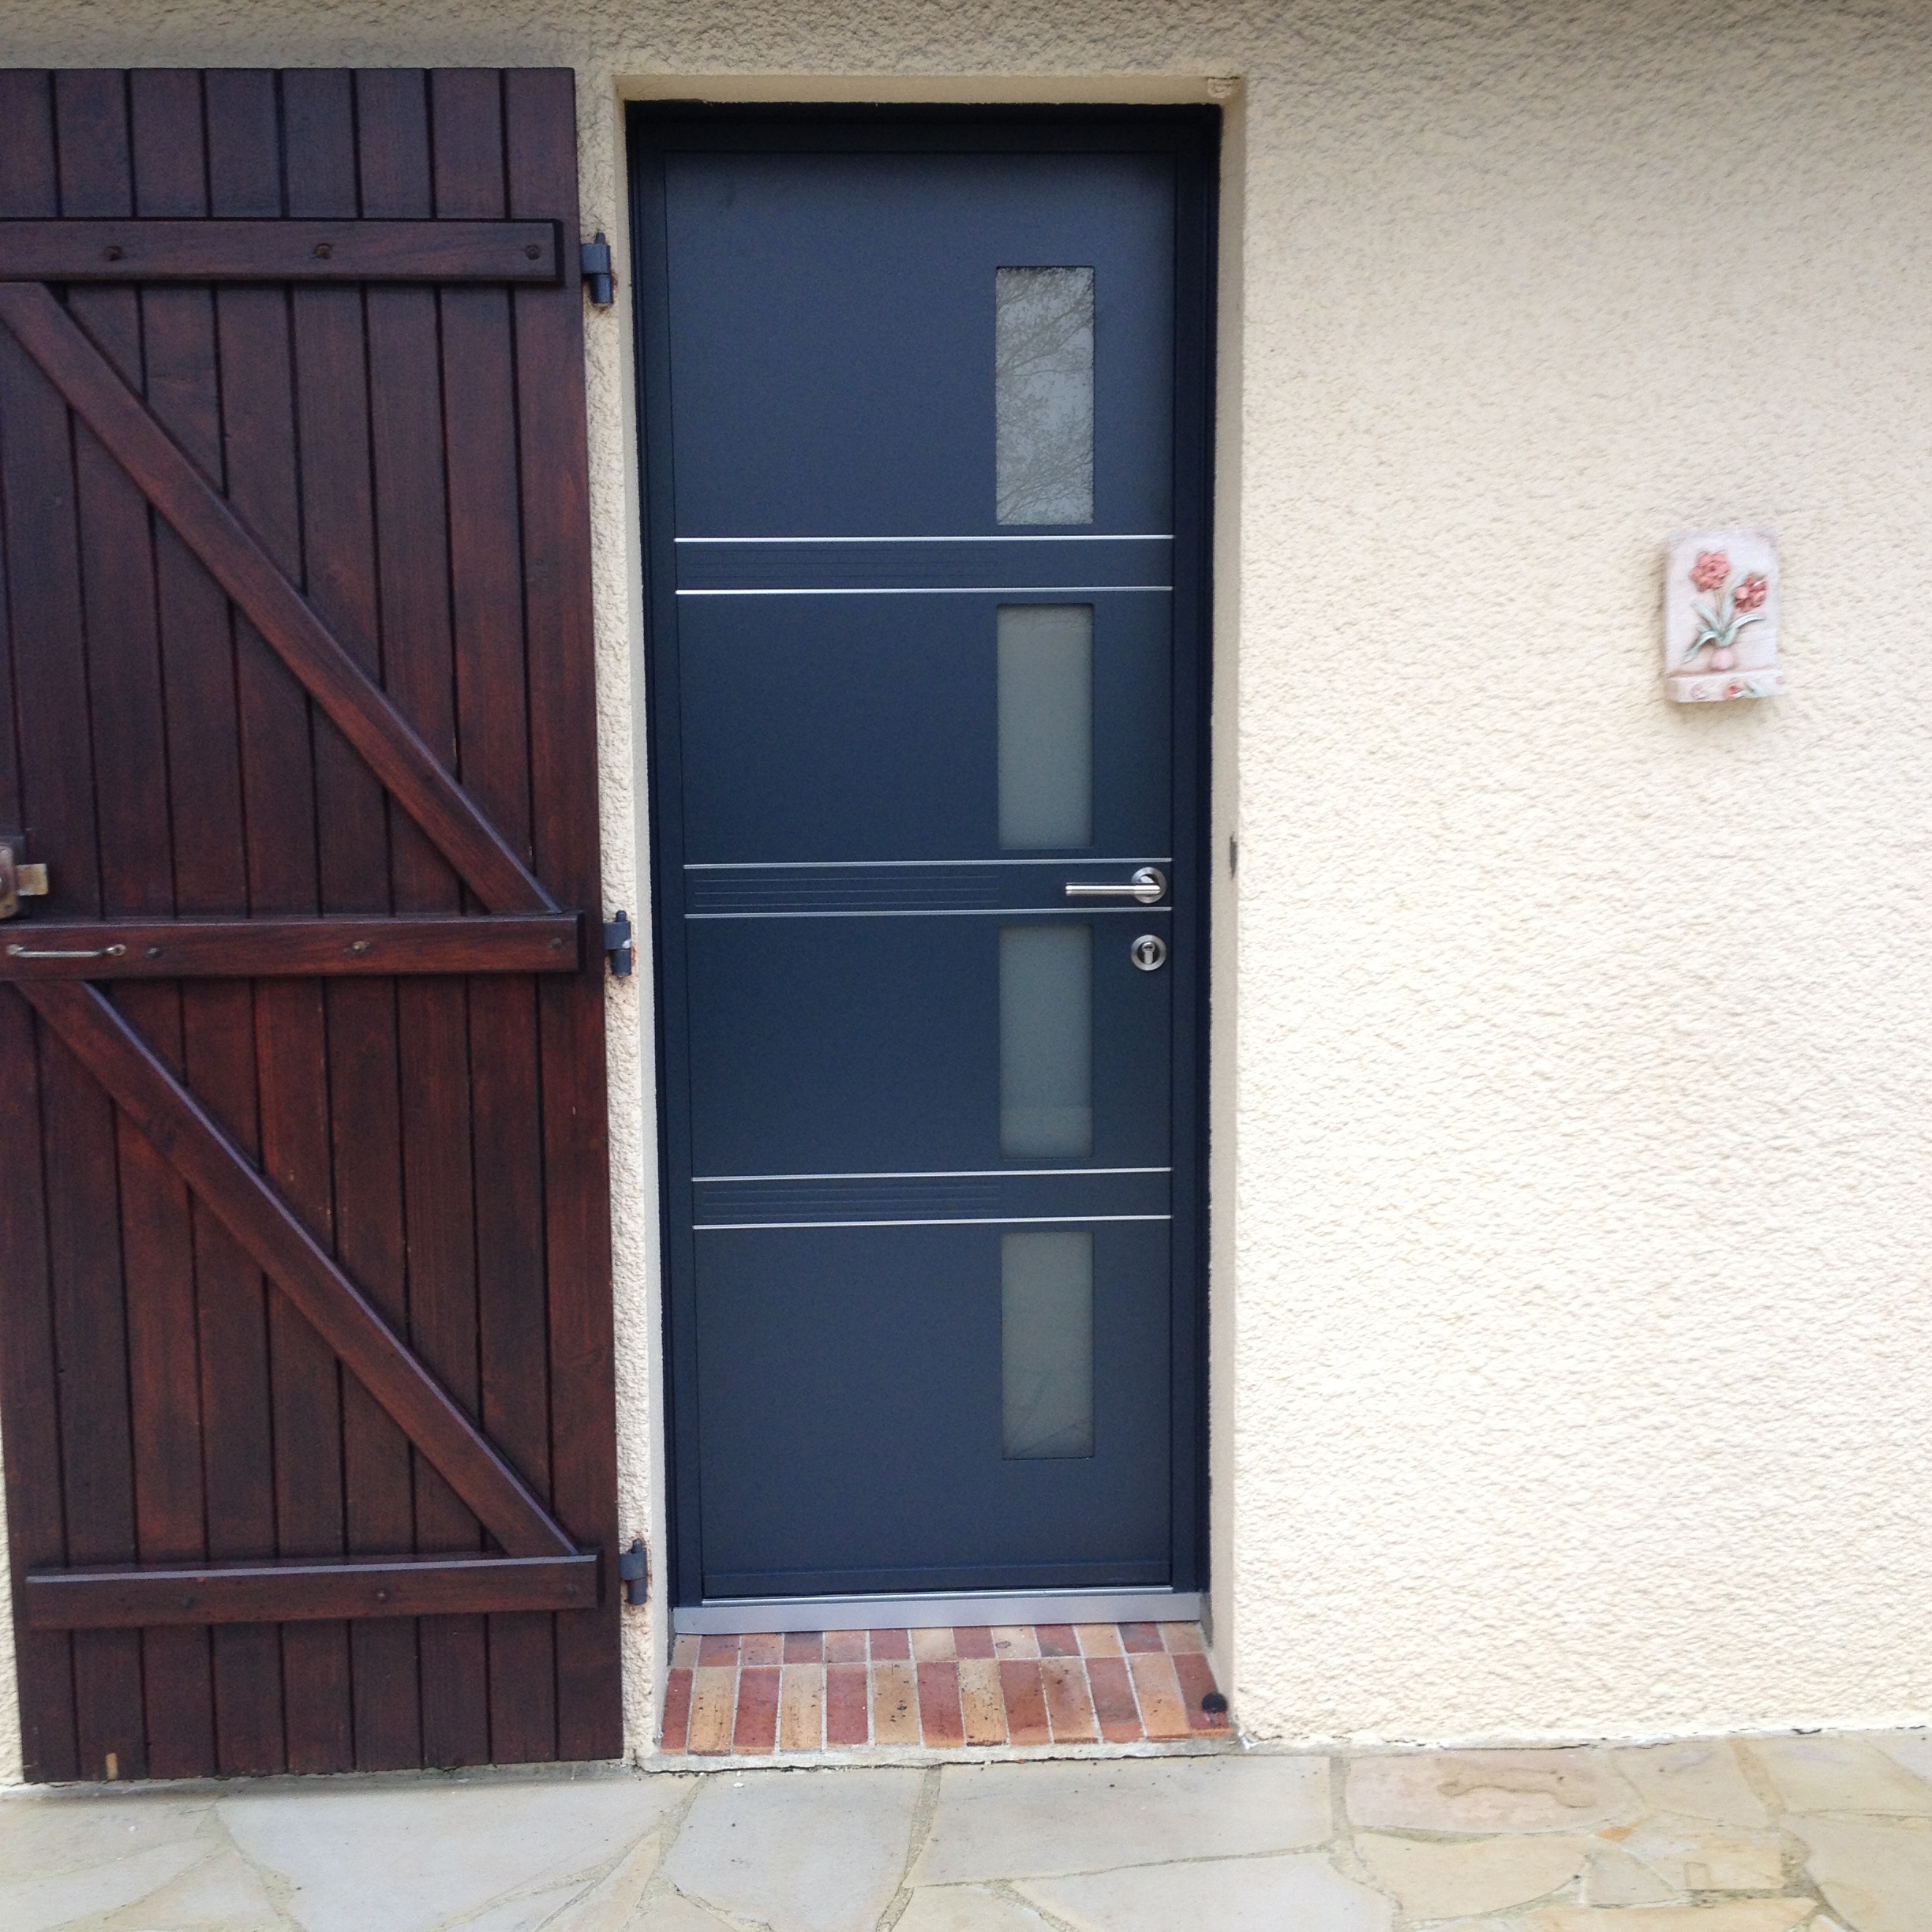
[[938, 1173], [742, 1227], [1084, 912], [730, 1616], [945, 590], [854, 865], [1072, 536]]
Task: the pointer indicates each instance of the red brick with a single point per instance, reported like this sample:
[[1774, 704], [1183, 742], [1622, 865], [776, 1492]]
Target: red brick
[[971, 1641], [714, 1691], [940, 1727], [676, 1711], [895, 1703], [805, 1647], [718, 1650], [1057, 1640], [845, 1646], [1113, 1699], [981, 1703], [756, 1730], [1163, 1717], [1026, 1703], [890, 1647], [1067, 1706], [1196, 1681], [1140, 1637], [801, 1707], [847, 1710], [761, 1647]]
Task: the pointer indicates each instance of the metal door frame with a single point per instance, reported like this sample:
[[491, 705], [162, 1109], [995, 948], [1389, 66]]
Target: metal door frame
[[1192, 135]]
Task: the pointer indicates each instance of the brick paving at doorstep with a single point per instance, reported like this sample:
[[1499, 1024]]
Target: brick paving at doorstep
[[1027, 1686], [1824, 1833]]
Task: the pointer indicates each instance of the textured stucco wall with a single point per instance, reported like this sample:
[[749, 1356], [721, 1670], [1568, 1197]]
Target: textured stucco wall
[[1571, 1181]]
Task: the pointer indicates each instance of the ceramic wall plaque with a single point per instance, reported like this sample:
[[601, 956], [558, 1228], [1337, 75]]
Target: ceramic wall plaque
[[1720, 616]]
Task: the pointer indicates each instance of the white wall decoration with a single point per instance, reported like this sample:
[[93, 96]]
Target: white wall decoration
[[1720, 607]]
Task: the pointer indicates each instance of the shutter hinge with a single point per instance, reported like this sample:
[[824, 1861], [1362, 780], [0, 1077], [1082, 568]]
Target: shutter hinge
[[617, 946], [595, 257], [633, 1571]]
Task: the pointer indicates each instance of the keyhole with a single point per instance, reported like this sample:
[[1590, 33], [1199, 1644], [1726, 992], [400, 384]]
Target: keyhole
[[1148, 952]]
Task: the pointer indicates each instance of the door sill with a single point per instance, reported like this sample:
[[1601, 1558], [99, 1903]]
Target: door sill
[[737, 1616]]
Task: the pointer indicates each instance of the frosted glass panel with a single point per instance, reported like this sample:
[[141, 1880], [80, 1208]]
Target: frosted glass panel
[[1045, 724], [1046, 1346], [1046, 1039], [1044, 393]]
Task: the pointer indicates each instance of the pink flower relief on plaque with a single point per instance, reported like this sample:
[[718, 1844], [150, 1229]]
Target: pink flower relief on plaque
[[1710, 571], [1731, 607]]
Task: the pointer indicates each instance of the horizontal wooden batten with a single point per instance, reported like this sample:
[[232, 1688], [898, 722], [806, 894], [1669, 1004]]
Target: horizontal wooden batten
[[142, 1595], [280, 251], [249, 948]]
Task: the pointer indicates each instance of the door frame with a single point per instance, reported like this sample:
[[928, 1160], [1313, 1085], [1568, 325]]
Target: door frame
[[1192, 133]]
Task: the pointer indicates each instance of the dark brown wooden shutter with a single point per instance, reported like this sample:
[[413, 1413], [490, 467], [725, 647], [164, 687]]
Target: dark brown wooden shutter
[[305, 1276]]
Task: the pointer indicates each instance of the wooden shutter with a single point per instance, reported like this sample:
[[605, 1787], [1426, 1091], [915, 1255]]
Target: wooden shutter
[[304, 1303]]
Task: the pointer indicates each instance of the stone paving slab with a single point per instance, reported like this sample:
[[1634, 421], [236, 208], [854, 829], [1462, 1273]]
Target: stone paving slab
[[1811, 1833]]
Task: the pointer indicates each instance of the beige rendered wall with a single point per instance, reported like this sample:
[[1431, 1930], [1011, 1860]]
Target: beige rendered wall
[[1573, 1052]]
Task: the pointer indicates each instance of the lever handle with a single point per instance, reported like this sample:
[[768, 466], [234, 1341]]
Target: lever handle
[[1146, 886], [21, 952]]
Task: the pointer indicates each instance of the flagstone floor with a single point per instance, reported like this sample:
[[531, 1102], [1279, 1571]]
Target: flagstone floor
[[1822, 1833]]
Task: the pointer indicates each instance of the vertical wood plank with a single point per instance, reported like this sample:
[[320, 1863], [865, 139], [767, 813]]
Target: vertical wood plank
[[214, 869], [411, 505], [337, 513], [137, 876], [540, 120], [287, 836], [479, 415], [84, 1194], [366, 1052], [28, 1369]]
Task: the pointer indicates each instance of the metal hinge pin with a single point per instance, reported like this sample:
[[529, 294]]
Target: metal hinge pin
[[617, 946], [633, 1572]]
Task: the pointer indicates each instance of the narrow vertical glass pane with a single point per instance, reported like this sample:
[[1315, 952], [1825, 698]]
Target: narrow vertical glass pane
[[1044, 393], [1046, 1039], [1046, 1346], [1045, 724]]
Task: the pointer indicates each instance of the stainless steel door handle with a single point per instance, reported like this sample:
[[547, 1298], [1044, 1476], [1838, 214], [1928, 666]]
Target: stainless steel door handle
[[1146, 885]]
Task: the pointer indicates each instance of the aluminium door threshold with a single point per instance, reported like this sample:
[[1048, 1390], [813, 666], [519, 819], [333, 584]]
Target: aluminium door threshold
[[737, 1616]]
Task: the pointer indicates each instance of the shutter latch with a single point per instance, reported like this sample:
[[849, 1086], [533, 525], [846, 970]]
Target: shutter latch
[[596, 260], [633, 1571], [17, 880], [617, 946]]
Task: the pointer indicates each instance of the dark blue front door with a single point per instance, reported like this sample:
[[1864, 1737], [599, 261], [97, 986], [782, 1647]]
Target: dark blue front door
[[925, 469]]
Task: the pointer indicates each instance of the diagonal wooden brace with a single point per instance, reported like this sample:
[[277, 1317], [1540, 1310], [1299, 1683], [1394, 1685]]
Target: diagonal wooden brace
[[222, 1175], [170, 480]]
